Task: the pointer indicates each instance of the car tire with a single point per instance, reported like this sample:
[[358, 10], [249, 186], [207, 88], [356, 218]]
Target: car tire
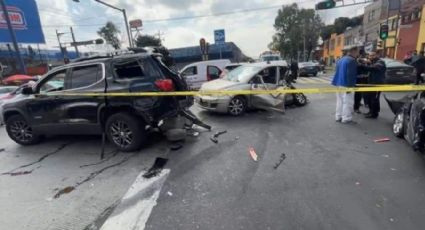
[[300, 99], [237, 106], [20, 131], [125, 131], [315, 74], [398, 124]]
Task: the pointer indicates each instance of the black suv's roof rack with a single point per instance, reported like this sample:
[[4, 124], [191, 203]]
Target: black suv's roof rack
[[91, 58]]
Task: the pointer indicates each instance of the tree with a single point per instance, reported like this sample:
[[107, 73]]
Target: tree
[[296, 28], [340, 25], [147, 40], [110, 33]]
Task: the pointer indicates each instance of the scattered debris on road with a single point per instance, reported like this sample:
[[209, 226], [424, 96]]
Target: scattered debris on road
[[64, 191], [282, 158], [386, 155], [253, 154], [380, 140], [2, 150], [216, 135], [156, 168], [169, 193], [358, 183]]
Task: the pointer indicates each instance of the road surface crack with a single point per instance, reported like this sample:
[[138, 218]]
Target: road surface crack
[[38, 161]]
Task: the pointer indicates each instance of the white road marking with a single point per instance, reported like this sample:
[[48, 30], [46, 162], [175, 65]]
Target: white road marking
[[136, 206]]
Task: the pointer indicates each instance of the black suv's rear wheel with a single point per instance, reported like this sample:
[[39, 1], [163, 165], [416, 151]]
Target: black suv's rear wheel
[[125, 131], [20, 131]]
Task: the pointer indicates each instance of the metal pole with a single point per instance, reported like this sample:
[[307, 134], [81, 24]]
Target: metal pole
[[13, 36], [39, 53], [60, 45], [304, 40], [130, 42], [73, 40]]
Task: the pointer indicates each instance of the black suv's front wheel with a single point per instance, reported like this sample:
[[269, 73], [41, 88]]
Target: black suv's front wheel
[[125, 131], [20, 131]]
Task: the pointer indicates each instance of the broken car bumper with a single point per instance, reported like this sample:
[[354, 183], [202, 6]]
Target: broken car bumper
[[216, 103]]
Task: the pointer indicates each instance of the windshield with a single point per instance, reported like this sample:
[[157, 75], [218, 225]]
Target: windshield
[[270, 58], [242, 73]]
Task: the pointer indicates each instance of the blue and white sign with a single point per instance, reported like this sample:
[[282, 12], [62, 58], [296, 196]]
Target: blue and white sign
[[219, 37], [25, 21]]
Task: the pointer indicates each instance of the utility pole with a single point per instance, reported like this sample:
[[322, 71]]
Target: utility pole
[[73, 40], [304, 40], [60, 44], [13, 36]]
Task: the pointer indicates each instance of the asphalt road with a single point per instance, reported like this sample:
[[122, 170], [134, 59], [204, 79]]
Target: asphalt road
[[311, 173]]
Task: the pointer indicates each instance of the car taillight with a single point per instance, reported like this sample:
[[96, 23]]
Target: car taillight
[[165, 85]]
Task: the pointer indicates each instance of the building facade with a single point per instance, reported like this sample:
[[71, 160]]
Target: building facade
[[420, 46], [409, 27], [187, 55]]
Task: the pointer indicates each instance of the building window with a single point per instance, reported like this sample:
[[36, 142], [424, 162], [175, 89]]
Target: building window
[[371, 15]]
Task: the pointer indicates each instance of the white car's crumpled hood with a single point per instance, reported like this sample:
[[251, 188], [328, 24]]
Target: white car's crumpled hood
[[219, 84]]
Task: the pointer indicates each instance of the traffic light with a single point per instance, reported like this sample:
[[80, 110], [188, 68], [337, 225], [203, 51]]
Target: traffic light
[[383, 32], [328, 4]]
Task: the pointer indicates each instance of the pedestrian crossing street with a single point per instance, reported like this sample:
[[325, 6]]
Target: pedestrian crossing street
[[323, 79]]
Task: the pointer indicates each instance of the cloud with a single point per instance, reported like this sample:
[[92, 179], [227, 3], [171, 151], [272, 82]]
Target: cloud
[[251, 31]]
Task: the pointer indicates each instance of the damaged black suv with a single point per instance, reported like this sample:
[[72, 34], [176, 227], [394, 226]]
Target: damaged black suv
[[44, 109]]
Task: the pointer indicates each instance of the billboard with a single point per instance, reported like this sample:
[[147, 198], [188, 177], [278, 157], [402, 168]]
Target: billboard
[[25, 21]]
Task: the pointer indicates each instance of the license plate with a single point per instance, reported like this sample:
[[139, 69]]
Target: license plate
[[399, 73]]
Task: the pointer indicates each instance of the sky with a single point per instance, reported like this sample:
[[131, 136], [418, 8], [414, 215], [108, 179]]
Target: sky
[[251, 31]]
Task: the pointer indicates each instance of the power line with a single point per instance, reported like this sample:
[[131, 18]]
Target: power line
[[189, 17]]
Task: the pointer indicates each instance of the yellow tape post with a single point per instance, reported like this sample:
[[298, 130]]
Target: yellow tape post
[[385, 88]]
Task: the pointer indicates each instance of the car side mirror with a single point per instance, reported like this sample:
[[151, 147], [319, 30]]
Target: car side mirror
[[27, 90]]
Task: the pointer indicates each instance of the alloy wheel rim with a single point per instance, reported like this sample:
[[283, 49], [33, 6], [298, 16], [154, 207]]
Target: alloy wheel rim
[[121, 134], [398, 123], [236, 106], [300, 98], [21, 131]]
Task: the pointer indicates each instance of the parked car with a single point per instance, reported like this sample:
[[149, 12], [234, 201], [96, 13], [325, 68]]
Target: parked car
[[409, 120], [4, 90], [197, 73], [253, 76], [399, 72], [44, 110], [307, 69]]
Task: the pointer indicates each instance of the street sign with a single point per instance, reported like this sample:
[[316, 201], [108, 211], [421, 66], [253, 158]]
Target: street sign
[[219, 37], [136, 23], [25, 21], [91, 42]]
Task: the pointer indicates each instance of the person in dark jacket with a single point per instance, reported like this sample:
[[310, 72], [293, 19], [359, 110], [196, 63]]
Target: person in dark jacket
[[419, 65], [294, 70], [376, 68], [345, 77], [361, 79]]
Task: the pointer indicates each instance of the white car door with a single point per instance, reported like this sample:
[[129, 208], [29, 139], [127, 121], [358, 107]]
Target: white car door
[[190, 74]]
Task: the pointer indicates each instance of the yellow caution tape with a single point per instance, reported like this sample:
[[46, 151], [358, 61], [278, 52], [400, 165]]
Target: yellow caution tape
[[384, 88]]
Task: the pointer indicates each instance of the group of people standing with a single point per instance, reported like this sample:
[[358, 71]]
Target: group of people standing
[[354, 69]]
